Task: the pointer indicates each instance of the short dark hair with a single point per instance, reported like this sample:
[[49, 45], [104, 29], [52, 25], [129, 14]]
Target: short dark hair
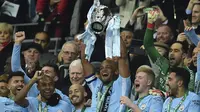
[[126, 29], [184, 45], [48, 38], [54, 66], [182, 74], [17, 73]]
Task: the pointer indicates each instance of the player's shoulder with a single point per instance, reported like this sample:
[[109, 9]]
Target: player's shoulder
[[192, 95], [156, 98]]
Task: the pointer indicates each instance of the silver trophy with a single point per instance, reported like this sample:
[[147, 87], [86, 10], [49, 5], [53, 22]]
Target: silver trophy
[[100, 17]]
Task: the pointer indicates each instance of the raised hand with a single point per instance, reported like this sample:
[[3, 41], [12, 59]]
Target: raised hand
[[38, 75], [136, 14], [19, 37], [126, 101], [82, 49], [31, 66], [160, 14], [191, 3], [153, 16], [187, 25]]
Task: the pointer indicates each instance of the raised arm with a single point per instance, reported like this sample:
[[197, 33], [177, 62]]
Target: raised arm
[[87, 67], [123, 61], [149, 43], [15, 59]]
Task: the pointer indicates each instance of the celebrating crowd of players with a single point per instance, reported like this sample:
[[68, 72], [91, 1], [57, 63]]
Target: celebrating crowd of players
[[38, 81]]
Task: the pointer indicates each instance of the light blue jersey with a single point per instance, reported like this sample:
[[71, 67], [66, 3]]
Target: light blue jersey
[[62, 106], [16, 66], [190, 104], [150, 103], [121, 87], [8, 105]]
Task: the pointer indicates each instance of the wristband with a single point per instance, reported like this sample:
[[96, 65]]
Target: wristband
[[150, 26]]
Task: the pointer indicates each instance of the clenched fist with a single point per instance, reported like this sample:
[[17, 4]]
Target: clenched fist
[[19, 37]]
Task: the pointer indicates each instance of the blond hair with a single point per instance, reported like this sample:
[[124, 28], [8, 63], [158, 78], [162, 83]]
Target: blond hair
[[6, 27], [70, 43], [148, 70]]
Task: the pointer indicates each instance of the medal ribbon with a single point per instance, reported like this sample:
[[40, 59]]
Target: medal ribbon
[[40, 107], [82, 110], [101, 98], [138, 102], [180, 103], [140, 99]]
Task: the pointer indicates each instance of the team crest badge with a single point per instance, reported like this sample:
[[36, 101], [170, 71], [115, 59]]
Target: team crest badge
[[143, 107], [59, 111], [181, 108]]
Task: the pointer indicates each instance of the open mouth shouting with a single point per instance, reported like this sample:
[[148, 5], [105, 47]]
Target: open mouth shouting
[[18, 88], [137, 86], [172, 60], [105, 74]]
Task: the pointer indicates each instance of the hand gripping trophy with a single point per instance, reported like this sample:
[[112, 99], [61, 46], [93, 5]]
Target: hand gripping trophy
[[101, 20]]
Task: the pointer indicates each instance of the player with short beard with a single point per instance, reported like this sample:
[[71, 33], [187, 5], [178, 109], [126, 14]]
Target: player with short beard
[[9, 90], [181, 99], [77, 95]]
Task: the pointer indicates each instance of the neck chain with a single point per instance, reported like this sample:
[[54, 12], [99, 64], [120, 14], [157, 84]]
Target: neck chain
[[180, 103]]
